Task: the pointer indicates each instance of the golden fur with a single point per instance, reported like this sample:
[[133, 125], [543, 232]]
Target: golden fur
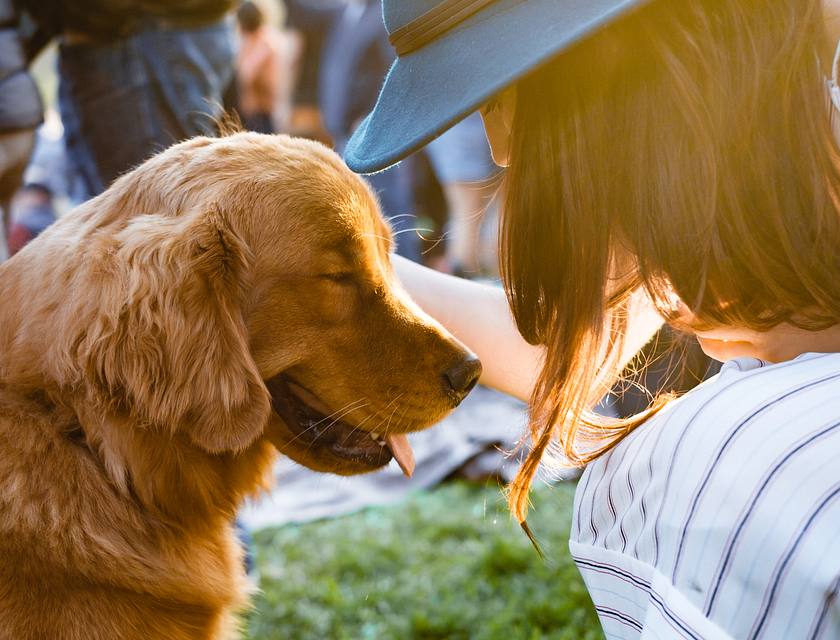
[[137, 339]]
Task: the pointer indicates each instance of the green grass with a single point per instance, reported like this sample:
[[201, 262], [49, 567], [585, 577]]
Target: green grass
[[449, 564]]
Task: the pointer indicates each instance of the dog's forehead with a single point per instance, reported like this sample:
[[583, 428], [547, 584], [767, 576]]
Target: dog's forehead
[[373, 229], [334, 216], [365, 230], [307, 193], [352, 211]]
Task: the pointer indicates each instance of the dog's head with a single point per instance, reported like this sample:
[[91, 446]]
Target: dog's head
[[241, 287]]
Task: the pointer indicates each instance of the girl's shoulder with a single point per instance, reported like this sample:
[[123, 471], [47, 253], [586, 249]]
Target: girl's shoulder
[[746, 417], [731, 493], [749, 399], [718, 443]]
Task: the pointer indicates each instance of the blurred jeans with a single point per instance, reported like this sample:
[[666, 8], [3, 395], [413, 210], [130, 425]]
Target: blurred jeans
[[462, 154], [394, 189], [259, 122], [122, 101], [354, 61]]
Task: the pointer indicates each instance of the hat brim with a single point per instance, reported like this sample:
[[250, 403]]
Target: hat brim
[[428, 91]]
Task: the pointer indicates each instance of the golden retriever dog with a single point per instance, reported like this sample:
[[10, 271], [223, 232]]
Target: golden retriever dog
[[229, 298]]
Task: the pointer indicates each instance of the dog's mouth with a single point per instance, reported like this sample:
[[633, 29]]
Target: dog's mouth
[[324, 441]]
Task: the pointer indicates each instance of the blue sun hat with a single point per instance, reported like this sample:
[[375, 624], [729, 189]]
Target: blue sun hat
[[453, 55]]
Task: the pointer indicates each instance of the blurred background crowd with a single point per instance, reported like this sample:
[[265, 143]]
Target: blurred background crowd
[[91, 88]]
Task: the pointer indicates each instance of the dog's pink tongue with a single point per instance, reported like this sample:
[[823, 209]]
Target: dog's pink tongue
[[402, 451]]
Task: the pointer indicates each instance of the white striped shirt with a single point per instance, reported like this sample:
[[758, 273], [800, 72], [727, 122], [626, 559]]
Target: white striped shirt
[[720, 517]]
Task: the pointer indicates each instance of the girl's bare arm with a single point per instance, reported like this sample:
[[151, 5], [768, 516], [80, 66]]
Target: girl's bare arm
[[479, 316]]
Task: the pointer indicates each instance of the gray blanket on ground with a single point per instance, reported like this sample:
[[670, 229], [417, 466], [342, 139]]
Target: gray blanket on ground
[[471, 440]]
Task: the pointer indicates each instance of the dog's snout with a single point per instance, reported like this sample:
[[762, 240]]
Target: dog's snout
[[463, 376]]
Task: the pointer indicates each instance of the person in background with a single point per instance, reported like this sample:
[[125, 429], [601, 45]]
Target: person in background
[[308, 23], [20, 113], [354, 61], [50, 188], [136, 76], [32, 212], [463, 166], [262, 70]]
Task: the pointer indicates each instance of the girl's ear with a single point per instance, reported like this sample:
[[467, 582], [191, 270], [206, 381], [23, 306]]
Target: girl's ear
[[170, 344], [497, 115]]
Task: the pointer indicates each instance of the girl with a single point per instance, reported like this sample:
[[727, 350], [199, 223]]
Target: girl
[[667, 160]]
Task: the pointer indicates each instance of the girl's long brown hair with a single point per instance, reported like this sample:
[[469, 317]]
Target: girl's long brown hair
[[684, 151]]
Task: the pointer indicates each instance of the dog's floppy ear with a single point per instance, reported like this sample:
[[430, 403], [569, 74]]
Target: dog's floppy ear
[[172, 345]]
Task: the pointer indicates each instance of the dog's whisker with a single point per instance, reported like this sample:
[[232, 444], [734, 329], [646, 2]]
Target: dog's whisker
[[384, 409], [417, 230], [434, 244], [316, 424], [355, 429], [386, 421], [392, 401], [402, 416], [337, 419], [345, 407], [378, 427], [388, 426]]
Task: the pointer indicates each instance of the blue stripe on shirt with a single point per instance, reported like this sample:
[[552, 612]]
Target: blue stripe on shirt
[[785, 458], [831, 495], [719, 455]]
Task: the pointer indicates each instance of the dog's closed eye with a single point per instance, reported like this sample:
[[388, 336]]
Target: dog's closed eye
[[341, 277]]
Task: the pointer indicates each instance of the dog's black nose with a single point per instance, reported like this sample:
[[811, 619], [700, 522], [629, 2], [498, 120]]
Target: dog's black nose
[[461, 378]]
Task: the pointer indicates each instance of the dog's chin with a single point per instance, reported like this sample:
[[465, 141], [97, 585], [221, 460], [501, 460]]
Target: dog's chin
[[318, 441]]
